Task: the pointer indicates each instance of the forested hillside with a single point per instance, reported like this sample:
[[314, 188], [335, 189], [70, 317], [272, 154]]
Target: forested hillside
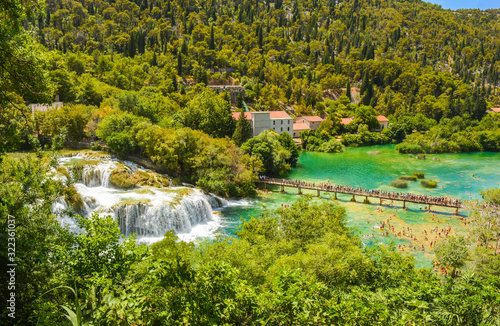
[[413, 55], [400, 58]]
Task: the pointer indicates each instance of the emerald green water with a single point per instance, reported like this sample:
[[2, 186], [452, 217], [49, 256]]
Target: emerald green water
[[459, 176]]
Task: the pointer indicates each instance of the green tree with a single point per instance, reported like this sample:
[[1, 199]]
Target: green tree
[[98, 255], [243, 130], [208, 113], [118, 131], [452, 252], [22, 68], [267, 147], [27, 193]]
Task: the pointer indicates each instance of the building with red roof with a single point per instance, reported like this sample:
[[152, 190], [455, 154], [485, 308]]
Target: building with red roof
[[312, 121], [299, 127], [278, 121], [346, 121], [383, 121]]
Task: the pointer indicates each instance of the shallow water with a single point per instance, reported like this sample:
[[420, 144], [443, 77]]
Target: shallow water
[[459, 176]]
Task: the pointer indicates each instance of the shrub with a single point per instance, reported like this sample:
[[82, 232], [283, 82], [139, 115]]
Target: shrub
[[95, 146], [421, 156], [73, 198], [398, 183], [408, 178], [409, 148], [428, 183], [332, 146], [419, 175]]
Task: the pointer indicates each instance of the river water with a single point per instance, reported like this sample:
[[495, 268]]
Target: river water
[[459, 176]]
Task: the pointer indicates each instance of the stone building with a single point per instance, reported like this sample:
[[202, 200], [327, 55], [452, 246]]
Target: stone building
[[233, 90], [278, 121]]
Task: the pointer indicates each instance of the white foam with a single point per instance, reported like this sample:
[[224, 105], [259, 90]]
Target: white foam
[[147, 211]]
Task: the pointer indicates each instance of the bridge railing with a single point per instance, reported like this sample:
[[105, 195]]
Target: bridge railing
[[332, 188]]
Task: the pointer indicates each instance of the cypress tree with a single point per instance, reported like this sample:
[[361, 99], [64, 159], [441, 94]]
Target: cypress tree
[[239, 100], [260, 37], [132, 45], [174, 83], [154, 62], [364, 84], [348, 90], [368, 94], [243, 130], [184, 48], [211, 46], [179, 64]]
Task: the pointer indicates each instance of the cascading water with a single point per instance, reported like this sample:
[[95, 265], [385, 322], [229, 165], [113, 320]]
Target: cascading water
[[94, 176], [147, 220], [148, 212]]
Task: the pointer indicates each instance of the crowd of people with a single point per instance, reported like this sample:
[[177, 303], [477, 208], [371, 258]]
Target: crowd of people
[[413, 240], [327, 186]]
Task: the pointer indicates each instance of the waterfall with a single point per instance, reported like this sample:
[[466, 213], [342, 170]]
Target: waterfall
[[148, 212], [216, 201], [147, 220], [97, 175]]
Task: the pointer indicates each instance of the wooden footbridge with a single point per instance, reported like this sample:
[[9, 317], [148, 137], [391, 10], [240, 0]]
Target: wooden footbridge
[[382, 195]]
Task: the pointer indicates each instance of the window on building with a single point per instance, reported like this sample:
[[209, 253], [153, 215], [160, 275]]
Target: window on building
[[281, 128], [288, 128], [281, 121], [274, 122]]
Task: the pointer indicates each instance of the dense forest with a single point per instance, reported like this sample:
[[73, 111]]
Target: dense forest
[[133, 76], [337, 59]]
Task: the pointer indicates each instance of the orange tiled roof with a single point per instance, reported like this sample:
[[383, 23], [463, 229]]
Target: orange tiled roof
[[236, 115], [381, 118], [278, 115], [346, 121], [300, 126], [312, 118]]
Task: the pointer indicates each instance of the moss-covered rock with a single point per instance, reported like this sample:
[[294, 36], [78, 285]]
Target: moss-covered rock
[[398, 183], [408, 178], [419, 175], [421, 157], [121, 177], [428, 183], [151, 179], [62, 170], [180, 193], [131, 201], [73, 198]]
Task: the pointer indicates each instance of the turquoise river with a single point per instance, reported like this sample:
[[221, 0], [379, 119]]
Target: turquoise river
[[458, 175]]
